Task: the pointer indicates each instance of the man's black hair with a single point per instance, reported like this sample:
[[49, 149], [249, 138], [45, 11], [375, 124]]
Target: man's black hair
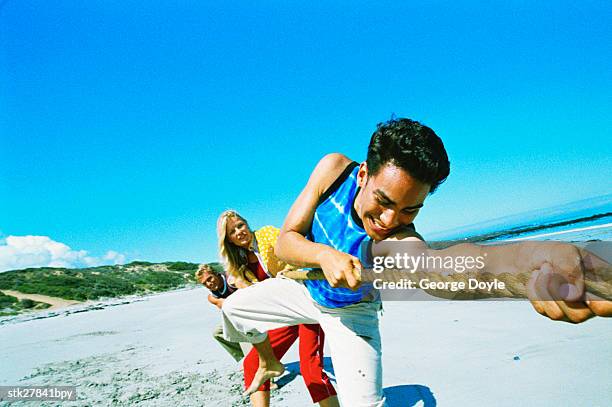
[[411, 146]]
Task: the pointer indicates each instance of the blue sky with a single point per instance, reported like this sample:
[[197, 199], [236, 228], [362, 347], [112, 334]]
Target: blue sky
[[129, 126]]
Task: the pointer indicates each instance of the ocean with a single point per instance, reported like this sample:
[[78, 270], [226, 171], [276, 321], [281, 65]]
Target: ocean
[[579, 221]]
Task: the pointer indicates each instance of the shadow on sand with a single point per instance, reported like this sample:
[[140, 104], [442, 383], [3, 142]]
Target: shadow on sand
[[292, 370], [406, 395]]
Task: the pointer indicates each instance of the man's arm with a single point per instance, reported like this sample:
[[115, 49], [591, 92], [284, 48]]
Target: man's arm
[[217, 302], [556, 287], [292, 246]]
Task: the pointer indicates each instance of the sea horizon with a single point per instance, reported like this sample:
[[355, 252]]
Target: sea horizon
[[585, 219]]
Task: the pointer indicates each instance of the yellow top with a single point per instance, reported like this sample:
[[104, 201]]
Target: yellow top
[[266, 239]]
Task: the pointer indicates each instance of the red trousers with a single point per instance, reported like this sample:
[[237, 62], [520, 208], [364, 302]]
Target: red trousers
[[311, 358]]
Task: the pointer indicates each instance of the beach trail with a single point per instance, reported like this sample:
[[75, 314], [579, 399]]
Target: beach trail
[[55, 302]]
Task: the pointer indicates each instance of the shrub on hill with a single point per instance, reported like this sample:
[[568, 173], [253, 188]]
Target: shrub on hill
[[181, 265], [7, 301]]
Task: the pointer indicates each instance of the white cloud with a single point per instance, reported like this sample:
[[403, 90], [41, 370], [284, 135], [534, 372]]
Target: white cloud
[[18, 252]]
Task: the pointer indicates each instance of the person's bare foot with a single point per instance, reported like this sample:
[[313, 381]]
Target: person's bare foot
[[273, 385], [264, 373]]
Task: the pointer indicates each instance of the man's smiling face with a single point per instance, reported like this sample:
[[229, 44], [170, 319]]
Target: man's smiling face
[[211, 280], [388, 200]]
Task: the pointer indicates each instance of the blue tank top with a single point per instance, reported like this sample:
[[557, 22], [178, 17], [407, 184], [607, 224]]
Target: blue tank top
[[336, 224]]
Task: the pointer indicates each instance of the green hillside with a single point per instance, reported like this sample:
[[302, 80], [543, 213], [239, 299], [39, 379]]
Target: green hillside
[[95, 282]]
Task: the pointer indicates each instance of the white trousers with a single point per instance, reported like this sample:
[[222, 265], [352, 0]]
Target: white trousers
[[352, 332]]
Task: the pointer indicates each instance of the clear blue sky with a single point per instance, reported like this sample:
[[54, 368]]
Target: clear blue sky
[[131, 125]]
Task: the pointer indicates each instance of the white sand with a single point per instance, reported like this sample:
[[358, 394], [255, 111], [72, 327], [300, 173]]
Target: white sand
[[157, 351]]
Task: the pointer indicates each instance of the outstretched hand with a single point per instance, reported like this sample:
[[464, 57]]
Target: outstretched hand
[[557, 288]]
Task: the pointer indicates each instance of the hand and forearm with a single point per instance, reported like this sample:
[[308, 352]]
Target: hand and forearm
[[217, 302], [512, 264], [339, 269]]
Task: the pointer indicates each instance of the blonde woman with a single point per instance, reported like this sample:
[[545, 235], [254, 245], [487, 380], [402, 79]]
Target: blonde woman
[[249, 258]]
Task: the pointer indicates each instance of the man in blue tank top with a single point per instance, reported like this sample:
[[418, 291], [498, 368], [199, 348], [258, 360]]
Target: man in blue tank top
[[342, 205]]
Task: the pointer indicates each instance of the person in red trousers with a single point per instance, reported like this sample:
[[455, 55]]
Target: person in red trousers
[[249, 258]]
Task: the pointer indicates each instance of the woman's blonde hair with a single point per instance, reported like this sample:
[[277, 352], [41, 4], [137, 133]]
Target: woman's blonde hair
[[234, 258]]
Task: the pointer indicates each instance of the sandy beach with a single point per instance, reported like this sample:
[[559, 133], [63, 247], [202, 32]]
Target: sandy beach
[[157, 351]]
